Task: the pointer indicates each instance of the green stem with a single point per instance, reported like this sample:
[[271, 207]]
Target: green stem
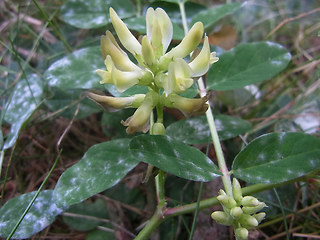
[[160, 178], [210, 202], [152, 224], [214, 134]]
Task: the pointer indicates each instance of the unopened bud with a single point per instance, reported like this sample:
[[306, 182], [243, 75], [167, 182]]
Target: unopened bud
[[249, 201], [259, 216], [158, 129], [222, 218], [247, 221], [252, 210], [241, 233], [236, 212], [236, 190], [227, 201]]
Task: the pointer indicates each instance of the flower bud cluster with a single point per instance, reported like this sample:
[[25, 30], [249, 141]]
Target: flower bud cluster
[[240, 212], [165, 73]]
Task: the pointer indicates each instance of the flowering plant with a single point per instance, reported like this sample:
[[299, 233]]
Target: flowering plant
[[166, 74]]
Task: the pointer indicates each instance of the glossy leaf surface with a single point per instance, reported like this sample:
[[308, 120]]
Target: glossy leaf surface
[[278, 157], [40, 215], [25, 99], [174, 157], [102, 166], [77, 70], [247, 64], [94, 13], [196, 130]]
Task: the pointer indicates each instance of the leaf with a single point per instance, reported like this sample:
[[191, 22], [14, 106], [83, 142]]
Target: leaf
[[246, 64], [210, 16], [77, 70], [277, 157], [94, 13], [174, 157], [196, 130], [102, 166], [41, 214], [139, 24], [96, 209], [24, 101]]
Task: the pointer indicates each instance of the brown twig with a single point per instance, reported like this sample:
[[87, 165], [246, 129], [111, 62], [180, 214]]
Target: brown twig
[[291, 19]]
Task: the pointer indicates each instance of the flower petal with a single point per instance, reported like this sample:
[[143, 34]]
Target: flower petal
[[201, 63], [109, 46], [125, 36], [188, 43]]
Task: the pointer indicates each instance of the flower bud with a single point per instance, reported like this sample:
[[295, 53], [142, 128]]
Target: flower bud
[[109, 46], [249, 201], [252, 210], [201, 63], [247, 221], [241, 233], [139, 121], [125, 36], [227, 201], [259, 216], [159, 30], [188, 43], [236, 190], [221, 218], [108, 102], [236, 212], [188, 106], [158, 129]]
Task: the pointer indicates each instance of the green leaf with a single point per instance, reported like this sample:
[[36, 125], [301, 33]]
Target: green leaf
[[40, 215], [139, 24], [103, 166], [25, 99], [174, 157], [247, 64], [96, 209], [196, 130], [94, 13], [278, 157], [77, 70], [211, 16]]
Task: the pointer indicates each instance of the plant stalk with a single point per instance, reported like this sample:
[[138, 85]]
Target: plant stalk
[[213, 130]]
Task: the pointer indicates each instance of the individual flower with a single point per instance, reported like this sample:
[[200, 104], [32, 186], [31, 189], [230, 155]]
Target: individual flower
[[110, 103], [165, 74]]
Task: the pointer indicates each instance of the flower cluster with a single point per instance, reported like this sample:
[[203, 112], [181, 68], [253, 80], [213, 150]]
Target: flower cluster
[[241, 212], [166, 74]]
